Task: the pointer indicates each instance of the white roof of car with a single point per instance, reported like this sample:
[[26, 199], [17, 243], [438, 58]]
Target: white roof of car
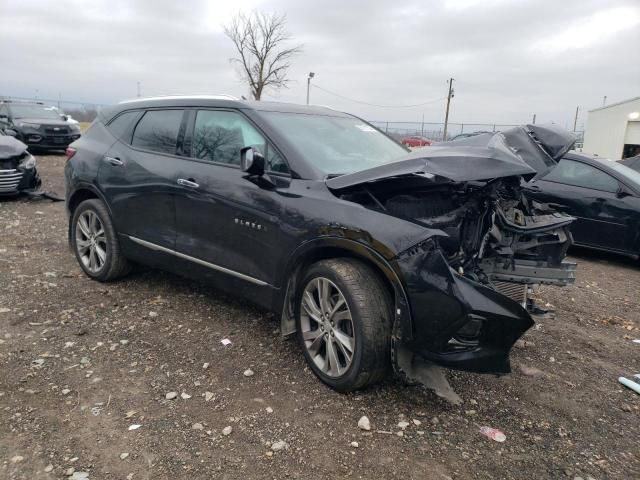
[[182, 97]]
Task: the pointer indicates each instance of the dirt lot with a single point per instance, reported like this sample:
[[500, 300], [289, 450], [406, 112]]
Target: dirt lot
[[83, 362]]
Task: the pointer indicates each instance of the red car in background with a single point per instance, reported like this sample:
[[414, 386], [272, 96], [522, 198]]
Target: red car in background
[[416, 141]]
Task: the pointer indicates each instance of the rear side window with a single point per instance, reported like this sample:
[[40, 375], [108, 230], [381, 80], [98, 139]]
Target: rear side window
[[158, 131], [121, 125]]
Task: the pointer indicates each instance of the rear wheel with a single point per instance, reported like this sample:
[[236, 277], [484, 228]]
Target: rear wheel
[[95, 243], [344, 323]]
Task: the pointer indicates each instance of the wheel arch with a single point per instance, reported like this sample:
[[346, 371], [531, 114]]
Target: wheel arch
[[335, 247], [84, 192], [80, 194]]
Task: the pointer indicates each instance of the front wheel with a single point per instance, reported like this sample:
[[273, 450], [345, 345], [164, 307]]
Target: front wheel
[[343, 319]]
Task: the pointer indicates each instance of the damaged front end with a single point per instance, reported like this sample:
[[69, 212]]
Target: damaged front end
[[17, 167], [466, 284]]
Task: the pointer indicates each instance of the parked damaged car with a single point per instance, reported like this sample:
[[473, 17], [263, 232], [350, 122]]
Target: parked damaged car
[[377, 258], [18, 171]]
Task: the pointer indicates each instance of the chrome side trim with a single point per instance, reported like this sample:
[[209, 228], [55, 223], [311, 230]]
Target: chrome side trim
[[212, 266]]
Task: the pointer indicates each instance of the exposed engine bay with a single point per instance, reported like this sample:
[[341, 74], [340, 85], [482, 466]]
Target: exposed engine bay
[[492, 231]]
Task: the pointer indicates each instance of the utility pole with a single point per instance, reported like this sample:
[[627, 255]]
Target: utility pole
[[138, 85], [534, 119], [311, 75], [604, 100], [575, 120], [446, 117]]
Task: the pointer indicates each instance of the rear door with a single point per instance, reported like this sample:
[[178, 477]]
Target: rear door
[[590, 195], [223, 217], [138, 173]]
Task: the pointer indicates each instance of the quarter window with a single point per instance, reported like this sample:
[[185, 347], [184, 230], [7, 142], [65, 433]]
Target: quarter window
[[158, 131], [582, 175], [219, 136], [120, 126]]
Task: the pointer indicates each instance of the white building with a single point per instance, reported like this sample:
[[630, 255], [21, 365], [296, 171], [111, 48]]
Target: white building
[[613, 131]]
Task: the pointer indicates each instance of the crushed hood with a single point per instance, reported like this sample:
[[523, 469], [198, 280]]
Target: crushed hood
[[528, 151], [10, 147]]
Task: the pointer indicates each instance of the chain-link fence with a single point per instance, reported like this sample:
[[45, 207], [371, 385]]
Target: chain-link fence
[[435, 131]]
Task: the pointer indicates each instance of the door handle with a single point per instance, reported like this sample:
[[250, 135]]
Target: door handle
[[188, 183], [115, 161]]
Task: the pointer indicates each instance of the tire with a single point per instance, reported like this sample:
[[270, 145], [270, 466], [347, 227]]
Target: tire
[[368, 304], [108, 265]]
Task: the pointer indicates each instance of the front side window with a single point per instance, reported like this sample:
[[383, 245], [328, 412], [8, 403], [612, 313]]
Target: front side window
[[218, 136], [335, 144], [582, 175], [120, 126], [158, 131]]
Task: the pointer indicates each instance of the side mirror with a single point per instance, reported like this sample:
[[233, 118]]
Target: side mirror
[[10, 132], [622, 192], [65, 118], [252, 161]]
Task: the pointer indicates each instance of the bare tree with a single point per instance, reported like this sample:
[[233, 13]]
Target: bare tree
[[260, 39]]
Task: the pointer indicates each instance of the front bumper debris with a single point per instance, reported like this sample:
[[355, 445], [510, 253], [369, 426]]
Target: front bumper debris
[[457, 322]]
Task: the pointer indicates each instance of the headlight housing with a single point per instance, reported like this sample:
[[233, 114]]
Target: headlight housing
[[29, 162], [30, 125], [74, 128]]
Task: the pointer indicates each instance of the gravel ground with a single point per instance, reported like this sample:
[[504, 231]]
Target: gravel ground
[[84, 363]]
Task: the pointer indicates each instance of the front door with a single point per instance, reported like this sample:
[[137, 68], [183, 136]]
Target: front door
[[224, 218], [590, 195]]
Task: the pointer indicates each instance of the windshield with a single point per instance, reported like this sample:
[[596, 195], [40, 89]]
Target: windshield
[[626, 172], [33, 111], [336, 145]]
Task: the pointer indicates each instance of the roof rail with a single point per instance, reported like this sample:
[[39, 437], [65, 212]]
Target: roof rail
[[182, 97]]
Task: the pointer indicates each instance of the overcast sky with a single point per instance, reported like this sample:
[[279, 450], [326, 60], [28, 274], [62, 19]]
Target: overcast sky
[[510, 59]]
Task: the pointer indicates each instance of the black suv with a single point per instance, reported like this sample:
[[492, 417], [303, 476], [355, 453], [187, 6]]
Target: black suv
[[38, 126], [377, 257]]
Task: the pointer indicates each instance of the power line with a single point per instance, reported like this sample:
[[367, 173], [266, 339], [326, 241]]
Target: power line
[[374, 104]]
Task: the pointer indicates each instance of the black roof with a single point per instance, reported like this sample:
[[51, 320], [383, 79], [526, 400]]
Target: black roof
[[632, 162]]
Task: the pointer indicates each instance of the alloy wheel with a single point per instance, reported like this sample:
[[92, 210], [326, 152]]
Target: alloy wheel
[[91, 242], [327, 327]]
